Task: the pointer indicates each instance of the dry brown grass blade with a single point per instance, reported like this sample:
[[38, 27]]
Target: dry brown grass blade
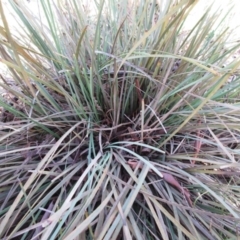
[[169, 178], [198, 144]]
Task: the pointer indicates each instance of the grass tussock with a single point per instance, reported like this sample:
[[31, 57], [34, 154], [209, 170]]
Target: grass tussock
[[119, 124]]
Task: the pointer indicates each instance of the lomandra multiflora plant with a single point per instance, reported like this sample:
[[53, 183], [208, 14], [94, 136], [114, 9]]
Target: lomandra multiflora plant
[[116, 123]]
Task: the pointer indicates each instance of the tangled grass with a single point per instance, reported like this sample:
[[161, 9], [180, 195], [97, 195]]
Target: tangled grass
[[120, 125]]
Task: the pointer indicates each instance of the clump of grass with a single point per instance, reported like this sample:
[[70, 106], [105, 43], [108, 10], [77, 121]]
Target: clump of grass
[[120, 125]]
